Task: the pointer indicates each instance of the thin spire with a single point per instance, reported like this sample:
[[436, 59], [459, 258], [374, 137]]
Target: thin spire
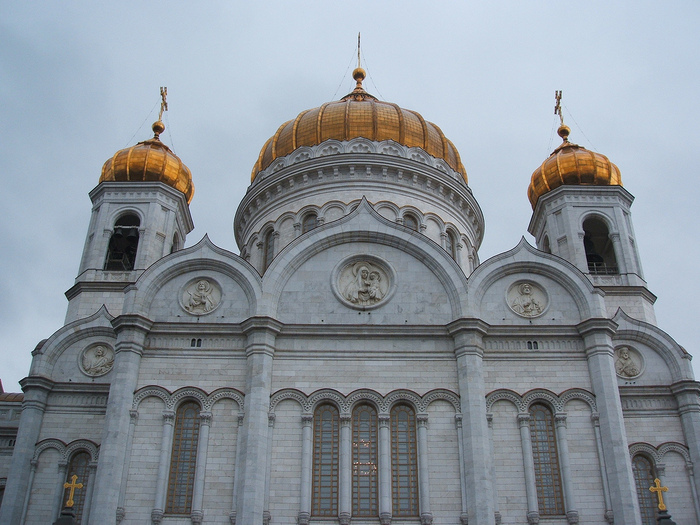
[[563, 130], [158, 126], [358, 50]]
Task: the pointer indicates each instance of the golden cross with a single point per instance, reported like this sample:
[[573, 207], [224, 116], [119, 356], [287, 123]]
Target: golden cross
[[358, 50], [557, 107], [659, 492], [163, 103], [72, 486]]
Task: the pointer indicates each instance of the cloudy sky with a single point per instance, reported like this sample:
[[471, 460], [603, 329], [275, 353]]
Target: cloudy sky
[[79, 80]]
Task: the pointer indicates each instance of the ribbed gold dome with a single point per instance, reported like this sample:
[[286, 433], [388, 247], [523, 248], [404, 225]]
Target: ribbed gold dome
[[359, 114], [571, 164], [150, 160]]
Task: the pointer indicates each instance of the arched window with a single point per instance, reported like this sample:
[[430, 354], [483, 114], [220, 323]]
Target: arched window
[[404, 462], [268, 249], [326, 453], [410, 221], [600, 254], [644, 475], [364, 462], [309, 222], [545, 245], [78, 466], [121, 252], [544, 450], [176, 243], [451, 244], [183, 459]]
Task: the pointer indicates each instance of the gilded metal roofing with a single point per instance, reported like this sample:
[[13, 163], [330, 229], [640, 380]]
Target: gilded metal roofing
[[571, 164], [359, 114]]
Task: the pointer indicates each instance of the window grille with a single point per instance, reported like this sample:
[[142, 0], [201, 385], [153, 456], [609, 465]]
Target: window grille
[[78, 466], [183, 459], [364, 462], [268, 249], [309, 222], [404, 462], [644, 476], [544, 449], [326, 454]]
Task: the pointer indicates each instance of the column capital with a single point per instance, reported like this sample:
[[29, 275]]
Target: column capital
[[560, 419], [489, 419], [595, 418], [344, 518], [383, 420], [385, 518], [422, 420], [134, 322], [168, 417], [426, 518], [458, 420], [205, 418], [596, 326], [533, 518], [271, 418], [345, 420], [523, 420], [133, 416], [572, 517], [307, 419], [197, 517], [303, 518], [157, 516]]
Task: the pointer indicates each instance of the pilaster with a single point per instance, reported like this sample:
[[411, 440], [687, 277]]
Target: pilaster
[[687, 394]]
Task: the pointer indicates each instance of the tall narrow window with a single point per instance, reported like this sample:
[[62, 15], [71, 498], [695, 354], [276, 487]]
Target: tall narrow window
[[364, 462], [78, 466], [326, 453], [309, 222], [183, 459], [545, 245], [404, 463], [600, 254], [410, 221], [175, 246], [121, 252], [544, 450], [451, 244], [644, 476], [268, 249]]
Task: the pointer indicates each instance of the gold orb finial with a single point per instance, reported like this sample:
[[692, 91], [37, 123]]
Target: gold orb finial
[[563, 132], [158, 127]]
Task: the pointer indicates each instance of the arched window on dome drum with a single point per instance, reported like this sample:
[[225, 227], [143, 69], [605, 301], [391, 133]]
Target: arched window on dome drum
[[404, 462], [325, 461], [365, 485], [121, 251], [78, 466], [600, 253], [644, 475], [410, 221], [451, 244], [546, 248], [268, 249], [183, 459], [176, 243], [309, 222], [546, 458]]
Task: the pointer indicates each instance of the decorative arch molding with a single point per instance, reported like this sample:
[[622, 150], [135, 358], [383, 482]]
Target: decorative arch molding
[[204, 255], [67, 450], [526, 258], [171, 400], [118, 213], [556, 402], [658, 453], [301, 249], [601, 216], [383, 404]]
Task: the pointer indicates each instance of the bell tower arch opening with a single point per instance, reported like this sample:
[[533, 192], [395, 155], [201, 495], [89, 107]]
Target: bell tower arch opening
[[123, 244], [600, 253]]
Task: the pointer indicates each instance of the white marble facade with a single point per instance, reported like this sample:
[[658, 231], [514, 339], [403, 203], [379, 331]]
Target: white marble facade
[[359, 309]]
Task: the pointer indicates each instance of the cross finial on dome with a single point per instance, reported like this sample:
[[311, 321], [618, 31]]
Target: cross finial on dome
[[359, 74], [563, 130], [158, 126]]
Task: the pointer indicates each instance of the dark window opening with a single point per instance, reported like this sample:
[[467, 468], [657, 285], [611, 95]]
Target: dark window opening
[[268, 249], [410, 222], [600, 254], [309, 222], [121, 253]]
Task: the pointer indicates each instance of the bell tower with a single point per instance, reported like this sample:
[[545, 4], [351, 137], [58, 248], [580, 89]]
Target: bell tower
[[140, 213], [582, 213]]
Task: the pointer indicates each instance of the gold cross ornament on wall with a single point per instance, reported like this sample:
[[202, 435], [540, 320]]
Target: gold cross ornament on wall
[[72, 486], [659, 492]]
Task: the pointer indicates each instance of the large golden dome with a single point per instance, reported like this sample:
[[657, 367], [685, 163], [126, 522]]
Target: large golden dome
[[359, 114], [571, 164], [150, 160]]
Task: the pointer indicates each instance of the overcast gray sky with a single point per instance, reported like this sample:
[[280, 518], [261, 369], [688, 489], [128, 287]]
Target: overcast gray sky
[[79, 80]]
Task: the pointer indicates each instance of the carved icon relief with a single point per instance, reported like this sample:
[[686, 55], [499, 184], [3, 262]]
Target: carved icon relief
[[201, 296], [97, 360], [628, 362], [362, 283], [527, 299]]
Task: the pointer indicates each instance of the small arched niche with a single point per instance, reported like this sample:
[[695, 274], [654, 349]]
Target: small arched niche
[[600, 253], [123, 244]]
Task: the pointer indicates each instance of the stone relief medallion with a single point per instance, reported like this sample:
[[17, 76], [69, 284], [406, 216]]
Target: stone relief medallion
[[527, 299], [96, 360], [363, 282], [200, 296], [628, 362]]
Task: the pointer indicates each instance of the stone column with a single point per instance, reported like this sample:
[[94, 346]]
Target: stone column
[[58, 491], [565, 463], [469, 351], [197, 514], [345, 481], [236, 469], [131, 336], [166, 445], [306, 468], [384, 470], [464, 517], [426, 517], [17, 489], [260, 349], [597, 338], [533, 513], [268, 471], [595, 418], [496, 512], [687, 394], [32, 472], [92, 468], [121, 510]]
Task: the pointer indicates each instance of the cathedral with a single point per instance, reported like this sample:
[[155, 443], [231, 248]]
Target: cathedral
[[356, 363]]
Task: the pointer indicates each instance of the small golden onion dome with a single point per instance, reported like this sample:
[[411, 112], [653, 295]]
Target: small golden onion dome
[[150, 160], [359, 114], [573, 165]]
